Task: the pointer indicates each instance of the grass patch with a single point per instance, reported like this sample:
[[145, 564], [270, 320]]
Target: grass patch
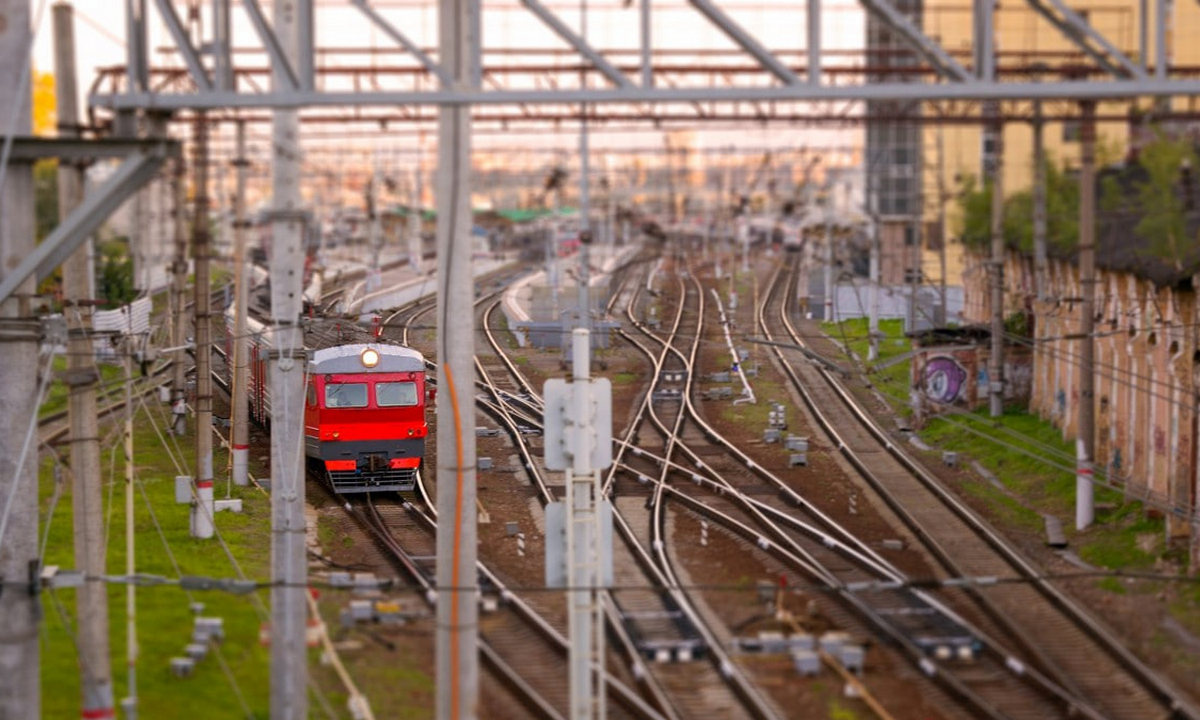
[[754, 414], [624, 378], [1130, 541], [1027, 454], [889, 373], [111, 377], [164, 618], [838, 711], [1111, 584]]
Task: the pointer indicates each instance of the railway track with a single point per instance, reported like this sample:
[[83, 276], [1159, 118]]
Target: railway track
[[1050, 633]]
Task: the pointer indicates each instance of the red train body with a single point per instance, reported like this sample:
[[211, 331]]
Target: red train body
[[364, 407]]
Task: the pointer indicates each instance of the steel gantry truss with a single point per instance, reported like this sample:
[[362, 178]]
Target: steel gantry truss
[[755, 74]]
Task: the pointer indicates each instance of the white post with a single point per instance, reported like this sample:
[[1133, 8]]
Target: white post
[[457, 634], [585, 621], [289, 564]]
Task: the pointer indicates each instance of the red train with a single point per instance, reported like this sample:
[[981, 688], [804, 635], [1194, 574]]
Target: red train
[[364, 408]]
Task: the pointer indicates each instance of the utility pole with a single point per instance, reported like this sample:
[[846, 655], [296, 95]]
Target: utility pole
[[996, 357], [912, 241], [943, 198], [579, 441], [829, 280], [129, 703], [239, 410], [202, 326], [457, 635], [1039, 202], [374, 216], [289, 564], [179, 269], [1085, 442], [873, 271], [20, 611], [87, 500], [415, 261]]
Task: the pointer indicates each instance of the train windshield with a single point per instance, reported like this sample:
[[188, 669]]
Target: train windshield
[[346, 395], [395, 394]]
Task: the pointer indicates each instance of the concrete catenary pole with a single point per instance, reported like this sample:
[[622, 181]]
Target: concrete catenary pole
[[943, 198], [129, 703], [289, 569], [1039, 202], [996, 357], [1085, 442], [414, 220], [457, 633], [830, 282], [179, 325], [87, 500], [201, 304], [873, 270], [240, 410], [20, 693]]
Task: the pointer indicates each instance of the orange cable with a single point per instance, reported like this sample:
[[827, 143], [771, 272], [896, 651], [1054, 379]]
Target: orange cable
[[458, 472]]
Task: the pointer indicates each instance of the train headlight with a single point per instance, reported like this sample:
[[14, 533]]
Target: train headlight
[[370, 358]]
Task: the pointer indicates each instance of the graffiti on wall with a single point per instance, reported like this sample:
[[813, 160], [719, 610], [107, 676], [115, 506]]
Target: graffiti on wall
[[943, 379]]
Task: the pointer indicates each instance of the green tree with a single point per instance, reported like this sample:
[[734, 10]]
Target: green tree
[[114, 272], [1160, 205], [1062, 213]]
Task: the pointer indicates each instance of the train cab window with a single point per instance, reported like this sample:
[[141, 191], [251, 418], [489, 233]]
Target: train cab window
[[346, 395], [395, 394]]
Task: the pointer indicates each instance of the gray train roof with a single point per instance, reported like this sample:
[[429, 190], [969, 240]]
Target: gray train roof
[[345, 359]]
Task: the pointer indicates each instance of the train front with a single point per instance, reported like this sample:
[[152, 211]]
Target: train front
[[364, 416]]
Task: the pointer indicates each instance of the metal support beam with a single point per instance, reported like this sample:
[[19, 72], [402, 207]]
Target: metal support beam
[[306, 55], [191, 58], [222, 46], [28, 148], [901, 91], [814, 42], [551, 20], [912, 36], [84, 220], [743, 39], [391, 31], [647, 67], [1160, 38], [985, 40], [1095, 45], [285, 73], [137, 66]]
